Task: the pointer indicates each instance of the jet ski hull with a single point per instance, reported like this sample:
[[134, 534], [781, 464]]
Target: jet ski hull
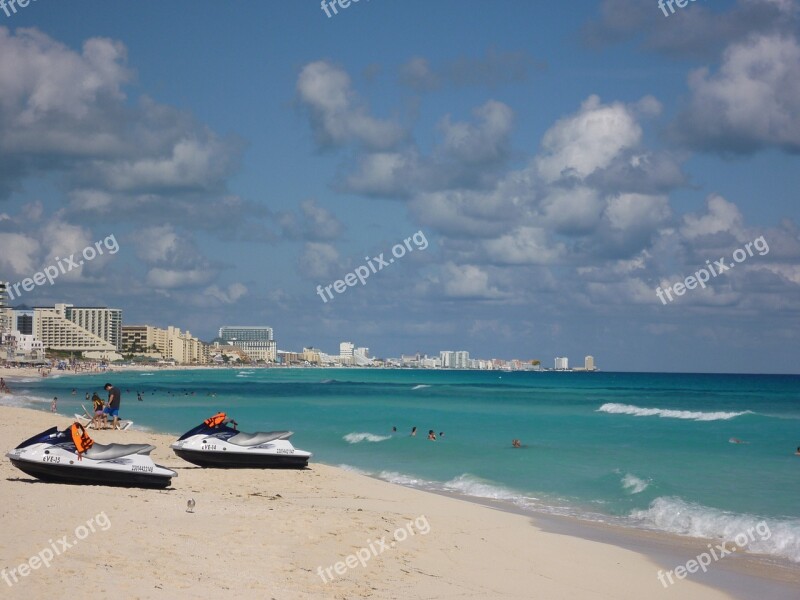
[[241, 460], [90, 476], [225, 448]]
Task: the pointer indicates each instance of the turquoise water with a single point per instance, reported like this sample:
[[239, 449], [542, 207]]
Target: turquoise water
[[645, 450]]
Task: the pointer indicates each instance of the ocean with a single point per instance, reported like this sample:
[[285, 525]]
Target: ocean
[[644, 450]]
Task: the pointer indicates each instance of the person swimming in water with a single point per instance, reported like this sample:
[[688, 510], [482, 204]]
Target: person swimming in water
[[516, 443], [413, 431], [431, 435]]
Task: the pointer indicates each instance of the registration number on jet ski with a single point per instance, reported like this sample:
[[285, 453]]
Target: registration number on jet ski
[[53, 459], [146, 469], [208, 447], [284, 451]]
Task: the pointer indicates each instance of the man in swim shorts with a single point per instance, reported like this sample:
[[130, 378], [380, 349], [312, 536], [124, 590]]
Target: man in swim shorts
[[112, 407]]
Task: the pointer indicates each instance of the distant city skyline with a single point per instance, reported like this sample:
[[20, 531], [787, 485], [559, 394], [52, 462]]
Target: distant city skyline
[[100, 330]]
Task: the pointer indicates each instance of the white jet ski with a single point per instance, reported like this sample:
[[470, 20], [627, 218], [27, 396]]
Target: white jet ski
[[214, 444], [54, 456]]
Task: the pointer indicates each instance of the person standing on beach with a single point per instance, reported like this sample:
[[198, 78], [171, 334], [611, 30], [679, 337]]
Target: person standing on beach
[[112, 407], [99, 417], [53, 404]]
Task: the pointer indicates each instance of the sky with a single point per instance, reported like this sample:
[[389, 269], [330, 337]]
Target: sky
[[545, 168]]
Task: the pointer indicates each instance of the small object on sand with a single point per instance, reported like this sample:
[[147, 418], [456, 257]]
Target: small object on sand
[[190, 505]]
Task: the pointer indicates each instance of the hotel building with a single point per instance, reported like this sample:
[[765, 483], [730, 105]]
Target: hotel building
[[461, 360], [346, 350], [5, 312], [256, 341], [80, 329], [171, 343]]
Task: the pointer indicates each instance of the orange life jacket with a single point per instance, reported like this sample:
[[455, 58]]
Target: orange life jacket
[[81, 439], [216, 420]]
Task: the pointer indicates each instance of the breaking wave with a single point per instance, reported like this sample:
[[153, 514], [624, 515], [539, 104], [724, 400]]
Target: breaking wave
[[355, 438], [637, 411]]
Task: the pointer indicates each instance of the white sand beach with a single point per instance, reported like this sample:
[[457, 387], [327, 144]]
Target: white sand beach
[[273, 534]]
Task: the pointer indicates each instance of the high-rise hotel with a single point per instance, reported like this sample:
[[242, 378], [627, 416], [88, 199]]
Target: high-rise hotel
[[5, 312], [256, 341], [78, 328]]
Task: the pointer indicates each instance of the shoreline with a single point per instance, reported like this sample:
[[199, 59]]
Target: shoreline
[[305, 522], [627, 535], [742, 576], [737, 577]]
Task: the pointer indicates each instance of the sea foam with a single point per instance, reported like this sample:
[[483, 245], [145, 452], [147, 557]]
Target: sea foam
[[353, 469], [474, 486], [355, 438], [675, 515], [23, 400], [633, 484], [407, 480], [637, 411]]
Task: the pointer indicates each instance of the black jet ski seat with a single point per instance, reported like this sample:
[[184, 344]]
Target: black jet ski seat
[[111, 451], [260, 437]]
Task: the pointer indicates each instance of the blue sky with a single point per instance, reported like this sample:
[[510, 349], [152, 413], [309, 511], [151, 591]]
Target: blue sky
[[563, 160]]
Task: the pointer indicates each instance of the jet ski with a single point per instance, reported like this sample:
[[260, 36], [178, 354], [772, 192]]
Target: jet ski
[[214, 444], [71, 456]]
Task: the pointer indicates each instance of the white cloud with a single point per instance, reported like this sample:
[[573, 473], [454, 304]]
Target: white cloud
[[589, 140], [18, 254], [751, 102], [174, 278], [524, 246], [320, 260], [637, 211], [336, 112], [467, 281], [40, 78], [383, 174], [157, 244], [721, 217], [460, 212], [572, 211], [191, 163], [485, 142], [229, 295]]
